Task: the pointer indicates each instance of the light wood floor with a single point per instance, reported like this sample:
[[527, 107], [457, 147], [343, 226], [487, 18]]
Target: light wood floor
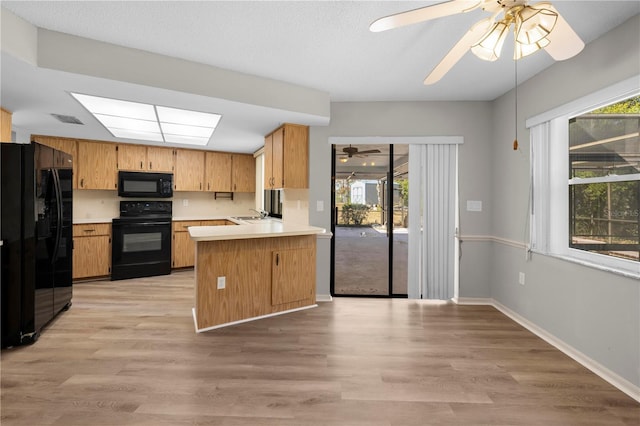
[[126, 353]]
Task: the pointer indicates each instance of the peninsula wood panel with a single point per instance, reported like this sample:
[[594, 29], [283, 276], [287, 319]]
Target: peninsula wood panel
[[160, 159], [70, 146], [289, 270], [189, 173], [243, 173], [247, 268], [218, 171], [5, 125], [132, 157], [97, 165]]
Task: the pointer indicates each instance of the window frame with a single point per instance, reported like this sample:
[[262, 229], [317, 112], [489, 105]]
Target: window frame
[[549, 174]]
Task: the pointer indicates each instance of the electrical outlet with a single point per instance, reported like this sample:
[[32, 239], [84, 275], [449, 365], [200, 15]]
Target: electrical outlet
[[222, 282], [521, 278], [185, 202]]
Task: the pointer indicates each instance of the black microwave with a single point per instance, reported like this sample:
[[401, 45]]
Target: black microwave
[[145, 185]]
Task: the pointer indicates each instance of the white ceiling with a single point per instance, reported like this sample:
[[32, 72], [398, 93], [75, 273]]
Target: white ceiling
[[323, 45]]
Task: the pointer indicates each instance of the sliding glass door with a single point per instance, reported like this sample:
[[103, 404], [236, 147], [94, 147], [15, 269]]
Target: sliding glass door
[[370, 205]]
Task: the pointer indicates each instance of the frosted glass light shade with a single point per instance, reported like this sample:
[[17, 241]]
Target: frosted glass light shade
[[489, 46], [534, 23]]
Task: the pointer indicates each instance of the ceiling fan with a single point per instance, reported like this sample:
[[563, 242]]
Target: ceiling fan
[[535, 27], [350, 151]]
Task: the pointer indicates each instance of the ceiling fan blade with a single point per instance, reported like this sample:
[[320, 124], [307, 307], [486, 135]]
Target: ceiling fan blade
[[370, 151], [424, 14], [564, 42], [459, 50]]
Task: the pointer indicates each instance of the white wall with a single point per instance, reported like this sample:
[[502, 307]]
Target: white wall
[[471, 120], [595, 312]]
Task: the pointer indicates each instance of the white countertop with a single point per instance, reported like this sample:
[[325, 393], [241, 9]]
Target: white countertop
[[268, 229], [91, 220]]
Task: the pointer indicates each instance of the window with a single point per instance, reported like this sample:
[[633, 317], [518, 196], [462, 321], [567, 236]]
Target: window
[[585, 165], [604, 185]]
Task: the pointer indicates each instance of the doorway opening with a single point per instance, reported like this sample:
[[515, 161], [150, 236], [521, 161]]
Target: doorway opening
[[370, 205]]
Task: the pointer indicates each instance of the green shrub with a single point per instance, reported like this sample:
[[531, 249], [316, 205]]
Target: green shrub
[[354, 213]]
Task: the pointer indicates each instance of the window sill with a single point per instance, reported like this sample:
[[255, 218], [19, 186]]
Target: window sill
[[587, 263]]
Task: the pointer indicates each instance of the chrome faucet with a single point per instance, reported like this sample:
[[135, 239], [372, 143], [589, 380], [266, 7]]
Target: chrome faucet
[[262, 213]]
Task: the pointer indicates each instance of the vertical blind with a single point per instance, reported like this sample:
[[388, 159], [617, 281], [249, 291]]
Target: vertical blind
[[432, 220]]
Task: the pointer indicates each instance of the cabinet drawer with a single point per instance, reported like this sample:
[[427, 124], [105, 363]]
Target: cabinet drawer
[[182, 226], [91, 229], [219, 222]]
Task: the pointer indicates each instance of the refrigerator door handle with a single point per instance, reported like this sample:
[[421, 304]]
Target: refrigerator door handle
[[58, 195]]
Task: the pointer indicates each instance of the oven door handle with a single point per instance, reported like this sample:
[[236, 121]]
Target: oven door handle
[[141, 223]]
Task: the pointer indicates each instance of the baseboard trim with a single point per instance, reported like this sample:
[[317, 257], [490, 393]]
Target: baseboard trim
[[324, 298], [472, 301], [603, 372], [613, 378], [228, 324]]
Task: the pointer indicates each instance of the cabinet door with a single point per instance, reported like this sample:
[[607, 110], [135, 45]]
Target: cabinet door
[[243, 173], [295, 156], [268, 161], [97, 164], [184, 249], [65, 145], [5, 125], [189, 172], [160, 159], [91, 256], [289, 272], [218, 171], [132, 157], [277, 157]]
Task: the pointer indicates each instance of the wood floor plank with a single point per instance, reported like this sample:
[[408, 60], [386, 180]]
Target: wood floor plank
[[126, 354]]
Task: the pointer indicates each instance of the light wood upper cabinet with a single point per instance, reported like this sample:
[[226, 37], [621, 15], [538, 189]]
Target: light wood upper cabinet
[[5, 125], [160, 159], [189, 173], [97, 165], [132, 157], [218, 172], [145, 158], [67, 145], [243, 173], [287, 157]]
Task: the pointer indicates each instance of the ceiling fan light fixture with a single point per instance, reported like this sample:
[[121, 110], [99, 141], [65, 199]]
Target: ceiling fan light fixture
[[534, 23], [490, 45], [522, 50]]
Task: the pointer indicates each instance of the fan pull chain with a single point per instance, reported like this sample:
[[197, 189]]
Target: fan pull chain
[[515, 141]]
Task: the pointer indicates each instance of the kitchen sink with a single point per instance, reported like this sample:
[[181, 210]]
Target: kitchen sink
[[247, 217]]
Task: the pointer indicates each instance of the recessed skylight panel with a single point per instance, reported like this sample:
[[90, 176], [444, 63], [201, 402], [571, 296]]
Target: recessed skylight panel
[[190, 118], [133, 120]]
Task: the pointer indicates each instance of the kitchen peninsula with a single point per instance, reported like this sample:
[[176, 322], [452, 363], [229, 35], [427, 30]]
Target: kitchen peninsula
[[252, 270]]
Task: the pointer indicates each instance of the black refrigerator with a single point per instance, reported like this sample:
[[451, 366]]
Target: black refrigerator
[[37, 239]]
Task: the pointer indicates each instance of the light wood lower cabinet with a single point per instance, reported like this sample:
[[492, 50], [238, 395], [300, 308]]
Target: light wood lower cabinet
[[91, 250], [183, 249], [262, 276]]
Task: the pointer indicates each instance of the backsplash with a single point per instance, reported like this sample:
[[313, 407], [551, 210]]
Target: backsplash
[[295, 206], [105, 205]]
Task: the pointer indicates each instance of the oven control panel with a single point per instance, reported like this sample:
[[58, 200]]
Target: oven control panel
[[145, 208]]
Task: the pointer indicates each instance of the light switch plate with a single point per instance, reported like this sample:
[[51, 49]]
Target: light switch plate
[[319, 205], [474, 206], [221, 282]]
